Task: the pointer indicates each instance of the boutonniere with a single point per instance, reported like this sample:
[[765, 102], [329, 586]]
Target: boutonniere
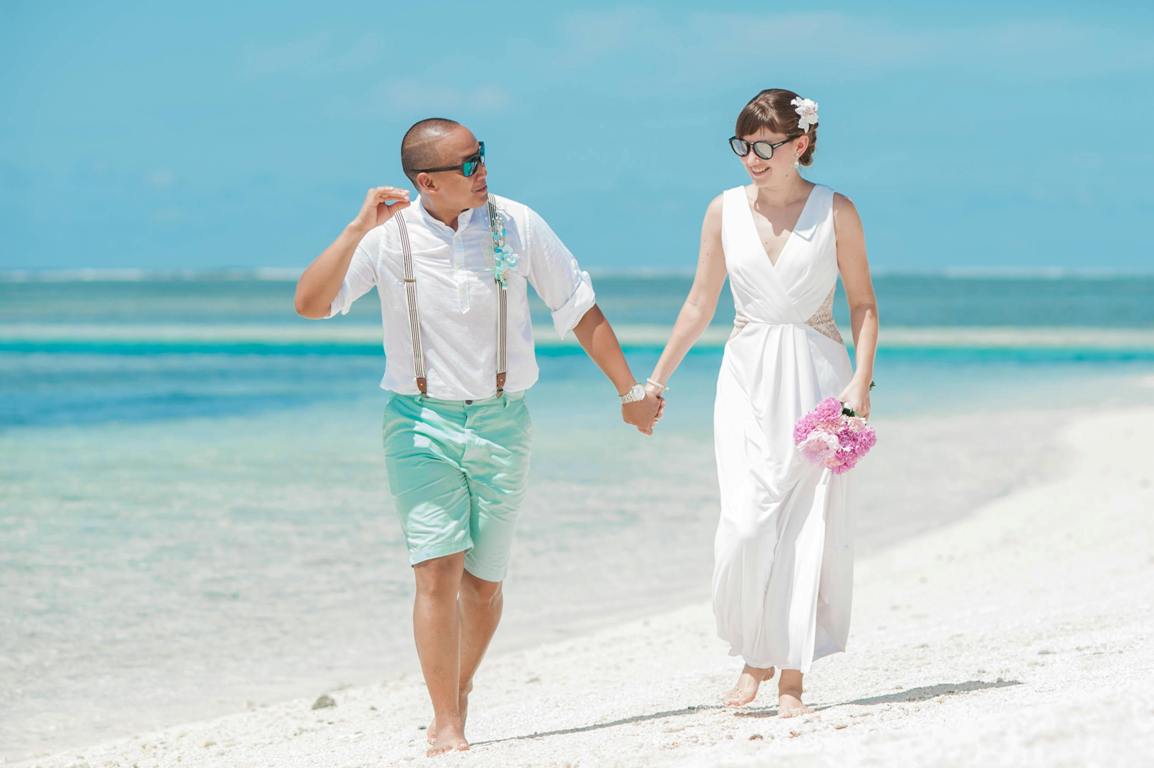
[[503, 258], [503, 261]]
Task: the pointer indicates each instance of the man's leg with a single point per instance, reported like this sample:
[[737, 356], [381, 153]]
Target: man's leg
[[480, 605], [497, 464], [437, 629], [423, 444]]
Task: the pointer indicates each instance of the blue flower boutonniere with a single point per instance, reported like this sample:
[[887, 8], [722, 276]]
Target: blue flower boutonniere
[[503, 258]]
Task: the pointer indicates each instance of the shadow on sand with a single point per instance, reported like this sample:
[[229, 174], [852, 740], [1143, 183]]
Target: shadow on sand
[[911, 695]]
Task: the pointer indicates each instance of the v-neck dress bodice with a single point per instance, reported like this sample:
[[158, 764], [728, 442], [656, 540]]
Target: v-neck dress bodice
[[799, 286], [783, 557]]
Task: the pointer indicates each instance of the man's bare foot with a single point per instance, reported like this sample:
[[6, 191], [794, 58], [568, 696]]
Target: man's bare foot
[[462, 709], [745, 690], [447, 738], [789, 689]]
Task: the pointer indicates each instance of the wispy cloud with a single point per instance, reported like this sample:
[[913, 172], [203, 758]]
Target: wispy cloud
[[428, 96], [318, 55], [160, 178], [434, 88], [687, 46]]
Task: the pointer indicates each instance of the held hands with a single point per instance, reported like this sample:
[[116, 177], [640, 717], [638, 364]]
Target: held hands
[[381, 204], [644, 414]]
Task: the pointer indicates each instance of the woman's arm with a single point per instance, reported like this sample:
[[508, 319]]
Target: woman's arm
[[863, 307], [701, 303]]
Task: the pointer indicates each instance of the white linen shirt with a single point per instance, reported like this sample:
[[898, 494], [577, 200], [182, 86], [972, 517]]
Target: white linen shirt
[[457, 297]]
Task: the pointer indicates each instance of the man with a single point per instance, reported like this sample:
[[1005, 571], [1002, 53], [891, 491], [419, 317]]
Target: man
[[452, 272]]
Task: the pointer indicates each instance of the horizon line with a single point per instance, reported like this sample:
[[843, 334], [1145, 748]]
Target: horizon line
[[289, 274]]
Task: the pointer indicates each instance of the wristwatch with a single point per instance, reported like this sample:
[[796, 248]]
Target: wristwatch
[[635, 393]]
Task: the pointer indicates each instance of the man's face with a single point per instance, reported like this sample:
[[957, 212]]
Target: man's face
[[451, 190]]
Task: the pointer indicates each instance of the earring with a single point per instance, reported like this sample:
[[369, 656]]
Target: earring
[[796, 162]]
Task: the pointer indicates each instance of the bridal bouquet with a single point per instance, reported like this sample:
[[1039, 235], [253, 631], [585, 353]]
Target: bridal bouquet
[[832, 436]]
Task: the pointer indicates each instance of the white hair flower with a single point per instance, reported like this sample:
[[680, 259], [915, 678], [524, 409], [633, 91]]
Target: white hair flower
[[806, 112]]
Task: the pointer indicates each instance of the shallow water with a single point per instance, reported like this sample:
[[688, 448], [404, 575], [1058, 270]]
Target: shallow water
[[191, 526]]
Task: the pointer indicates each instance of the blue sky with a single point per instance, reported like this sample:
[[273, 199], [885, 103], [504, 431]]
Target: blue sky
[[205, 135]]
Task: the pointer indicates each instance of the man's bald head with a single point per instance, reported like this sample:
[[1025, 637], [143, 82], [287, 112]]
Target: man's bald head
[[419, 147]]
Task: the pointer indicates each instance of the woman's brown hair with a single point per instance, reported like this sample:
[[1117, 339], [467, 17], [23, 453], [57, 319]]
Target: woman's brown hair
[[772, 109]]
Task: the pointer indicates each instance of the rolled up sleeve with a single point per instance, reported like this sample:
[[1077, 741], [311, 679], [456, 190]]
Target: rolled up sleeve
[[557, 277], [360, 278]]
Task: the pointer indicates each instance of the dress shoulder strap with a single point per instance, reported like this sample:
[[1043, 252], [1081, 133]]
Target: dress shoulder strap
[[731, 200], [826, 200], [818, 213]]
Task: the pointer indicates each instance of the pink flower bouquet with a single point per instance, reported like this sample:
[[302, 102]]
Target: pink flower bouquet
[[832, 436]]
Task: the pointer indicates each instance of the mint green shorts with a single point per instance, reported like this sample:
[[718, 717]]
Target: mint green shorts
[[458, 473]]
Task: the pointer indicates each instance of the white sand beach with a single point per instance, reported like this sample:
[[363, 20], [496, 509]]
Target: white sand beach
[[1018, 635]]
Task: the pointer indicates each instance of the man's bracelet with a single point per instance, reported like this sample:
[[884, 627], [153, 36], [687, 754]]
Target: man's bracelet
[[635, 394]]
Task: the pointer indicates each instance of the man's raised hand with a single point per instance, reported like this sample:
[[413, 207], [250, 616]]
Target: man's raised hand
[[381, 204]]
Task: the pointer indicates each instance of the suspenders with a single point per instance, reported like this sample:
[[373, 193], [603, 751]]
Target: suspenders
[[497, 240], [414, 323]]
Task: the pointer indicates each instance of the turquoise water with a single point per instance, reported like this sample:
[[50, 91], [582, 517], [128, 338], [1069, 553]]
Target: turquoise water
[[192, 505], [136, 350]]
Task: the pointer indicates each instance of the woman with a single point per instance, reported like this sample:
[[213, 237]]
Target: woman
[[783, 553]]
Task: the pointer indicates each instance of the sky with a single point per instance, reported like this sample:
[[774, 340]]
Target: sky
[[209, 135]]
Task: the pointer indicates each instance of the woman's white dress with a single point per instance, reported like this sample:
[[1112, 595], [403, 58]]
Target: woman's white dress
[[783, 556]]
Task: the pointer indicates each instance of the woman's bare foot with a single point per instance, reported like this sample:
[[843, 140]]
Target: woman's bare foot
[[789, 689], [745, 690], [447, 738], [462, 709]]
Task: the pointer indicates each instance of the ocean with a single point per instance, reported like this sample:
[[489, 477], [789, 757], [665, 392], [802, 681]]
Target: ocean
[[193, 510]]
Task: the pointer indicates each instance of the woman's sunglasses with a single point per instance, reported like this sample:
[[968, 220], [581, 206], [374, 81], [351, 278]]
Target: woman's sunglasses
[[468, 166], [762, 149]]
